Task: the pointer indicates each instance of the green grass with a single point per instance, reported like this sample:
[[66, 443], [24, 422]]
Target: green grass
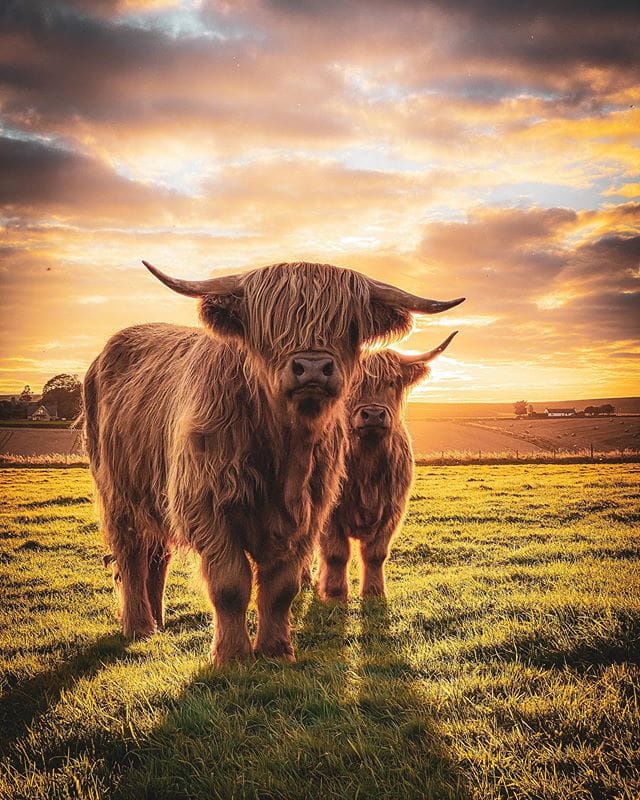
[[506, 663]]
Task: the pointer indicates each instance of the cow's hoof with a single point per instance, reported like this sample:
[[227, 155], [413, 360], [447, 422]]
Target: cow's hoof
[[373, 591], [280, 650], [139, 633], [333, 597], [222, 657]]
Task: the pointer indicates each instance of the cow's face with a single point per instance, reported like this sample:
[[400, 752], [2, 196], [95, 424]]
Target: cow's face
[[380, 389], [303, 325]]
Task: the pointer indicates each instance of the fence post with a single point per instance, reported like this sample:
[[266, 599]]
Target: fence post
[[554, 454], [516, 455], [592, 451]]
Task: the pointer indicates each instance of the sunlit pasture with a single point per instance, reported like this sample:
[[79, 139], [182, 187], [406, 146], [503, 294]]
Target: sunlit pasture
[[506, 663]]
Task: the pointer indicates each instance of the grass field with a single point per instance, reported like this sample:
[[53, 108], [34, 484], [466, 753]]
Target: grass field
[[506, 663]]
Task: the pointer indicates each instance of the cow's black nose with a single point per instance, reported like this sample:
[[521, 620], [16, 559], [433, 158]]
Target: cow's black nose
[[372, 417], [310, 369]]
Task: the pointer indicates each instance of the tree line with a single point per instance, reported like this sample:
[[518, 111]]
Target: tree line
[[523, 408], [62, 391]]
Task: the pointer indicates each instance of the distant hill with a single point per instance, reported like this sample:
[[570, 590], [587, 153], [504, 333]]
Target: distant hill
[[419, 411]]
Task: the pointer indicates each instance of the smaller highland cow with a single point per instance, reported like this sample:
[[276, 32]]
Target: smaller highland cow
[[379, 470]]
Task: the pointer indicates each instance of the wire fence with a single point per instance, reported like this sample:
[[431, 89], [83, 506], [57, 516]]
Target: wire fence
[[549, 456], [588, 455]]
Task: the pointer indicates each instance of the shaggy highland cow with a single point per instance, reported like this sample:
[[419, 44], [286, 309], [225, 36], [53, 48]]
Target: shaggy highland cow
[[379, 469], [230, 441]]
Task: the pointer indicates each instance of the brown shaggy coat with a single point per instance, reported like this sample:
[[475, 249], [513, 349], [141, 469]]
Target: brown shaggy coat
[[197, 439], [379, 474]]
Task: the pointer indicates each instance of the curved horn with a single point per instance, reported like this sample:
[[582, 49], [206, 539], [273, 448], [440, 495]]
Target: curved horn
[[423, 358], [222, 285], [398, 297]]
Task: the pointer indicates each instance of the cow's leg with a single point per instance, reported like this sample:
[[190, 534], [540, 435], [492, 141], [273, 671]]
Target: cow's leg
[[228, 579], [334, 557], [278, 584], [131, 556], [159, 559], [305, 575], [373, 554]]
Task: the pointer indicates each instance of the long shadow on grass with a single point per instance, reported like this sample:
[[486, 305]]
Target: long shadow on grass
[[264, 730], [398, 714], [536, 650], [346, 721], [25, 700]]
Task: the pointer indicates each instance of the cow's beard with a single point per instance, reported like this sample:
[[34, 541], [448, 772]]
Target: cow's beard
[[311, 411], [311, 403], [307, 407], [371, 436]]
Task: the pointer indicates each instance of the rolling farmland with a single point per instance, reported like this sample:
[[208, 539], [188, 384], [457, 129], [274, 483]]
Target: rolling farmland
[[430, 436]]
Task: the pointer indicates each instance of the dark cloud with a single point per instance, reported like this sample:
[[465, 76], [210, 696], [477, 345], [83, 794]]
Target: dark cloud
[[88, 59], [38, 178], [611, 260], [550, 33], [502, 252], [101, 65], [520, 266], [598, 319]]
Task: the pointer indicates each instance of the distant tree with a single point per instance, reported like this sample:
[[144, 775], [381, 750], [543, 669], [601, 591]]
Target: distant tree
[[64, 392], [591, 411], [520, 408], [608, 409], [26, 395], [530, 409], [12, 409]]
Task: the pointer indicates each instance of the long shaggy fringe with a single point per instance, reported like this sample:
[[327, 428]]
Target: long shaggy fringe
[[293, 307]]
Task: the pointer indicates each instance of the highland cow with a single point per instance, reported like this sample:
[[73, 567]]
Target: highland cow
[[379, 469], [230, 440]]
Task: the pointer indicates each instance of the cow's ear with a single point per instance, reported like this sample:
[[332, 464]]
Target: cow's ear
[[414, 372], [388, 323], [221, 314]]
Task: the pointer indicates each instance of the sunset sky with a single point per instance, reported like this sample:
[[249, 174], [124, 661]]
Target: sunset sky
[[487, 149]]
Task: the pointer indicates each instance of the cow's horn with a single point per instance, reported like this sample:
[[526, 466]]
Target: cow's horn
[[423, 358], [222, 285], [398, 297]]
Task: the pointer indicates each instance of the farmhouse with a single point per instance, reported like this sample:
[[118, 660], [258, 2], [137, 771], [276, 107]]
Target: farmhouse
[[45, 413], [560, 412]]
